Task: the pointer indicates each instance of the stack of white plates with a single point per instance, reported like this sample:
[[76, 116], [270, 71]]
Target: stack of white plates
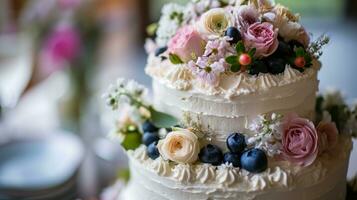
[[40, 168]]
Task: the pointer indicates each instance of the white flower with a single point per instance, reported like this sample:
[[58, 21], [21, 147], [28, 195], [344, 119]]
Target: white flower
[[268, 134], [172, 16], [214, 22], [200, 6], [180, 146]]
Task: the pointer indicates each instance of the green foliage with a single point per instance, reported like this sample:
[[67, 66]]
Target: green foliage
[[240, 47], [175, 59], [162, 120], [132, 140]]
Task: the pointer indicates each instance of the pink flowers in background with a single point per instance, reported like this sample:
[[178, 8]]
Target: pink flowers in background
[[69, 4], [60, 47], [328, 135], [187, 44], [300, 140], [263, 37]]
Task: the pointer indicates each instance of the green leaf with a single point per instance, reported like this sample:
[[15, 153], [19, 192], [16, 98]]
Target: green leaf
[[162, 120], [240, 47], [175, 59], [231, 59], [124, 174], [252, 52], [299, 52], [235, 68], [151, 29], [131, 141]]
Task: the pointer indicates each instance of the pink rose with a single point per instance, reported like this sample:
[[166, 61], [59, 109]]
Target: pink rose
[[263, 37], [60, 47], [299, 140], [187, 44], [328, 133]]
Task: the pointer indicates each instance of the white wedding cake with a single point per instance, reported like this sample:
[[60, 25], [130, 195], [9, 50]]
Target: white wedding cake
[[235, 112]]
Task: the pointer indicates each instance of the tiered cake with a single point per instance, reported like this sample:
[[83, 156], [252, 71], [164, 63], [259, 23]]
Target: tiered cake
[[235, 113]]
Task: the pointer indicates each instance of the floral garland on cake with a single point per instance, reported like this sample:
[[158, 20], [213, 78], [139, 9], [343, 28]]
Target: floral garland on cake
[[294, 139], [211, 37]]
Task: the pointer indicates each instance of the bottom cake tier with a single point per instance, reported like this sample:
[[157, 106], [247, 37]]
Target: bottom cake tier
[[157, 179]]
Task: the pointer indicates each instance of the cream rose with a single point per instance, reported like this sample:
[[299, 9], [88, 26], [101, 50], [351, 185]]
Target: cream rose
[[179, 146], [214, 22], [288, 24]]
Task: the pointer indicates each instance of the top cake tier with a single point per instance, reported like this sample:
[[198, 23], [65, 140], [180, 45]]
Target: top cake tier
[[225, 62]]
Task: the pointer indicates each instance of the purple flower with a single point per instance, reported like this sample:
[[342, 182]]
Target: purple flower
[[217, 49], [246, 16], [59, 48], [208, 71]]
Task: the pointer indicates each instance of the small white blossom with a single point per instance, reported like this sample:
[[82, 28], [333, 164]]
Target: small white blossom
[[171, 19], [268, 134]]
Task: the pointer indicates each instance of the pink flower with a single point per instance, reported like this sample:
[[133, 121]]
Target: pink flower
[[263, 37], [187, 44], [328, 135], [300, 140], [217, 49], [207, 71], [60, 47]]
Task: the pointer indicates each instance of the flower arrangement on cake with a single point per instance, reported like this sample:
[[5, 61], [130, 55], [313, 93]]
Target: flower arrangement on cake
[[235, 113]]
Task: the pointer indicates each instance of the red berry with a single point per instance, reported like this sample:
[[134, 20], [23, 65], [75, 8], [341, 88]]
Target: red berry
[[245, 59], [300, 62]]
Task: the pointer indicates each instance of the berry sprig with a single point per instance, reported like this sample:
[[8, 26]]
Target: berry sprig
[[242, 60], [301, 60]]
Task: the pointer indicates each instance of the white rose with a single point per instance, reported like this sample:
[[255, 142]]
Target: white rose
[[179, 146], [214, 22]]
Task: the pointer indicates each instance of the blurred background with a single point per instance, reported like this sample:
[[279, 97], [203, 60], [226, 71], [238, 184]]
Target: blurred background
[[57, 58]]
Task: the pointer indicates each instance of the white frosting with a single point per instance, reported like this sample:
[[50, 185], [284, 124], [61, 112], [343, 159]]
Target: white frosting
[[183, 173], [161, 167], [227, 175], [205, 173], [323, 180]]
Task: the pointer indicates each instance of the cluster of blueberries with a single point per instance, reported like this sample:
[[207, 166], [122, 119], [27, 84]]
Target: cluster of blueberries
[[150, 139], [253, 160]]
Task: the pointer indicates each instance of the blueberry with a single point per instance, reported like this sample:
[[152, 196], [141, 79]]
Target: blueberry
[[233, 33], [276, 65], [257, 67], [283, 50], [150, 137], [254, 160], [152, 151], [149, 127], [232, 158], [211, 154], [236, 143], [160, 50]]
